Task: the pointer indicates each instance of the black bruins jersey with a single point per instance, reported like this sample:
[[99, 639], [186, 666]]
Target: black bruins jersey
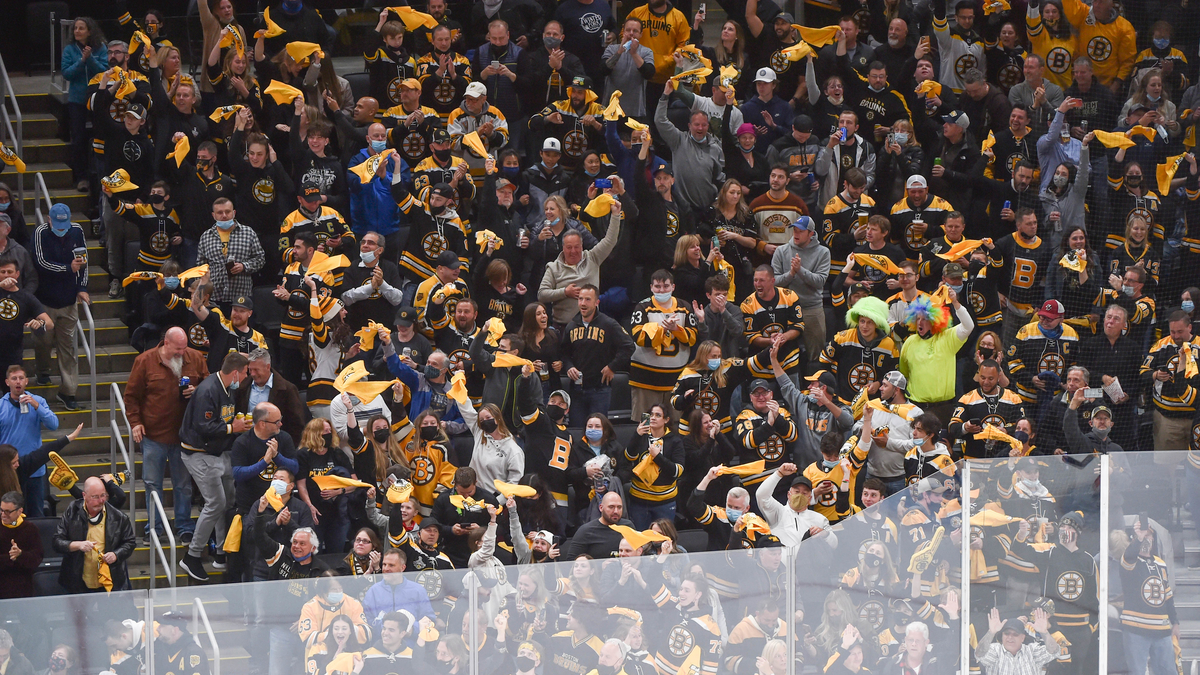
[[1002, 409], [1032, 352], [708, 393], [1122, 204], [325, 224], [185, 657], [410, 140], [770, 443], [570, 656], [837, 225], [443, 94], [155, 230], [765, 319], [904, 215], [855, 365]]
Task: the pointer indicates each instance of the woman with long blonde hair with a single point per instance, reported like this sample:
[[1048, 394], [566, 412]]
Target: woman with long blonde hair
[[692, 268], [729, 219], [838, 612], [319, 454], [428, 455], [1151, 92], [707, 382]]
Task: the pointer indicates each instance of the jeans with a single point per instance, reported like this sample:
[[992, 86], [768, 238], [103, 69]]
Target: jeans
[[894, 485], [207, 471], [585, 401], [644, 513], [285, 651], [190, 252], [155, 456], [34, 489], [1159, 651], [335, 522]]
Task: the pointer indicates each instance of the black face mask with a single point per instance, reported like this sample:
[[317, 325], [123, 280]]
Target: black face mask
[[442, 155], [429, 433], [874, 561], [437, 210], [488, 426], [524, 664], [1133, 181], [986, 352], [328, 439], [381, 435], [445, 666], [157, 199], [204, 164], [555, 412], [606, 670]]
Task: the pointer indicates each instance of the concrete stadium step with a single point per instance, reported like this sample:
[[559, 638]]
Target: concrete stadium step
[[78, 201], [56, 175], [103, 388], [45, 151], [91, 440], [41, 104], [110, 357], [39, 125]]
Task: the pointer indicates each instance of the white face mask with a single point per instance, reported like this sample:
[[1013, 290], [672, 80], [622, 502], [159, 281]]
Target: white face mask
[[368, 257], [1059, 180]]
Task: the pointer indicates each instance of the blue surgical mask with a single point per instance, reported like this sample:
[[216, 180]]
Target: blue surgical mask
[[956, 289], [335, 598], [918, 441], [368, 256], [662, 298], [714, 364], [593, 435], [901, 137], [592, 174], [233, 386], [226, 224], [828, 464], [171, 283], [1187, 306], [60, 231], [378, 146], [1127, 290], [812, 398], [732, 515], [552, 223], [279, 486], [4, 206], [1162, 43], [510, 172]]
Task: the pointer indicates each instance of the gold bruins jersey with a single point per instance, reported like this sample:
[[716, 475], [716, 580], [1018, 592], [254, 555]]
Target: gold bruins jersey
[[1058, 53], [432, 472], [844, 475]]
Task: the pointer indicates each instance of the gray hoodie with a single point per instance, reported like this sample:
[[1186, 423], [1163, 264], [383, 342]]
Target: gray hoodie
[[808, 446], [809, 282], [699, 166]]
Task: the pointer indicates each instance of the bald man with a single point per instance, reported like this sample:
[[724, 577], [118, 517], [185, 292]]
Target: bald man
[[595, 537], [155, 398], [372, 206], [352, 125], [92, 544]]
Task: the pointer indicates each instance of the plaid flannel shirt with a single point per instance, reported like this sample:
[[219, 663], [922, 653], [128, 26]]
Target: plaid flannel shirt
[[244, 248]]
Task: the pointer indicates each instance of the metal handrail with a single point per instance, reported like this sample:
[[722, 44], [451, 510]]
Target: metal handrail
[[19, 135], [199, 613], [155, 508], [58, 39], [39, 186], [89, 348], [117, 404]]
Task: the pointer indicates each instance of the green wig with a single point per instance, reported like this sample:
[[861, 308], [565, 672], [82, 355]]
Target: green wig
[[871, 307]]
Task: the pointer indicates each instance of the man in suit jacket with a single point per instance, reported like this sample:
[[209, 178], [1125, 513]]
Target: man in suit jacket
[[268, 385]]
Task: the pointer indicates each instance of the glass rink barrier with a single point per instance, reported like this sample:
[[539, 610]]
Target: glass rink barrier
[[1025, 564]]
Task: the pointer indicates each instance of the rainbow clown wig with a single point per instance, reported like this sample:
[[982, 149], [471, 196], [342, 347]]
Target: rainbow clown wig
[[871, 307], [924, 308]]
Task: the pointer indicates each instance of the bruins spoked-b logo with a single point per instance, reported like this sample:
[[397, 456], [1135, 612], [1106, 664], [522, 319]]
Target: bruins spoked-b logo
[[9, 309], [198, 336], [965, 63], [780, 62], [1099, 48], [1154, 592], [681, 642], [431, 580], [977, 301], [708, 401], [159, 242], [1052, 362], [772, 449], [264, 191], [1058, 60], [444, 93], [413, 144], [574, 143], [393, 91], [1070, 585], [861, 375], [872, 614], [433, 244]]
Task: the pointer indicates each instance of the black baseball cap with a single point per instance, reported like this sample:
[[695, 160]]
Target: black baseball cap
[[444, 190], [244, 301], [311, 190], [663, 166], [824, 377], [802, 123], [428, 522], [137, 110], [757, 384], [440, 136], [767, 541], [405, 317], [801, 479], [448, 259]]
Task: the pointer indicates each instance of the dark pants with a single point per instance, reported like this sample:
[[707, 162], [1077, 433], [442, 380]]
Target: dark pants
[[293, 364], [34, 489], [77, 117], [942, 410], [585, 401]]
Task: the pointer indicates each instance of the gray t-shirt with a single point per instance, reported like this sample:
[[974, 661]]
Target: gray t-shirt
[[626, 79]]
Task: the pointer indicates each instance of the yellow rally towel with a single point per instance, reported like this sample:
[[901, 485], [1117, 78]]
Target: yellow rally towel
[[233, 538], [367, 170], [118, 181], [961, 249], [874, 404], [1166, 172], [337, 482], [629, 613], [142, 276], [400, 492], [818, 37], [193, 273], [506, 360], [10, 158], [880, 262], [225, 112], [743, 470], [366, 335], [140, 40], [948, 509], [635, 125], [301, 52], [924, 554], [1110, 139], [646, 469], [1190, 368], [992, 432], [273, 499], [996, 6], [638, 539], [511, 490], [182, 147], [349, 375], [600, 206], [62, 476], [460, 502], [429, 633], [413, 19], [990, 518], [440, 295], [367, 391], [475, 143], [754, 525], [329, 264], [495, 330], [125, 86], [941, 296], [988, 142], [929, 88], [1073, 261], [458, 388], [282, 93], [798, 51], [722, 266], [694, 72], [613, 111], [482, 238], [859, 404], [342, 663], [273, 29], [1147, 132], [233, 39]]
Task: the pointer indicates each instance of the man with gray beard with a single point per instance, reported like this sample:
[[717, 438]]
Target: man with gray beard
[[155, 398]]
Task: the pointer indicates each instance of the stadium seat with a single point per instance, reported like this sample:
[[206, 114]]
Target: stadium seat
[[360, 83], [51, 559], [621, 404], [693, 541], [268, 312]]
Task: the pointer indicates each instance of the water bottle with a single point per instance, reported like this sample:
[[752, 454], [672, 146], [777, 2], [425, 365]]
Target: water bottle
[[1007, 204]]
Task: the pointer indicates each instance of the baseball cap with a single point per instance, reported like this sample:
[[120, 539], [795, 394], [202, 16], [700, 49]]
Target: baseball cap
[[551, 145], [1139, 107], [664, 166], [61, 214], [546, 535], [1102, 410], [505, 184], [311, 190], [958, 117], [896, 379], [410, 83], [785, 16], [440, 136], [443, 190], [800, 479], [745, 128], [803, 124], [448, 259], [765, 74], [5, 219], [916, 181], [581, 82], [1027, 464], [175, 618], [475, 89], [1052, 309], [758, 383], [243, 301], [136, 110], [767, 541], [952, 271], [803, 223], [858, 288], [565, 397], [824, 377], [405, 317], [428, 522], [1013, 625]]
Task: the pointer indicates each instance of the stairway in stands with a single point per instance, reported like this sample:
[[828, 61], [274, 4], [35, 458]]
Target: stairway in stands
[[46, 153]]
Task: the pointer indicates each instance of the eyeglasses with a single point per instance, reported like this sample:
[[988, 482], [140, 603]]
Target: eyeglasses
[[9, 512], [278, 422], [360, 540]]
